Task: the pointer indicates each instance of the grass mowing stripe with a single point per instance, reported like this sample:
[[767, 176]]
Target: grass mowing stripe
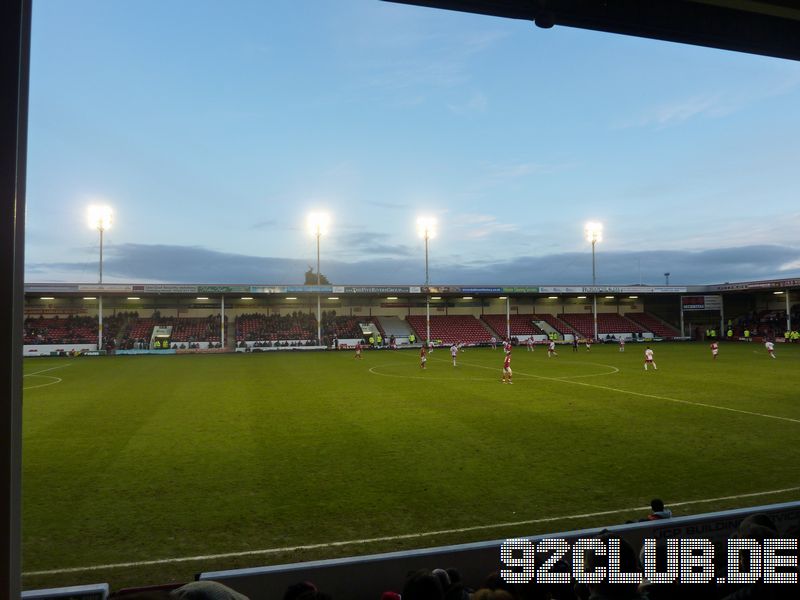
[[390, 538], [129, 457]]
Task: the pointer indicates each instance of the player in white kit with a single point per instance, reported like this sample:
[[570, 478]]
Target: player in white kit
[[648, 359]]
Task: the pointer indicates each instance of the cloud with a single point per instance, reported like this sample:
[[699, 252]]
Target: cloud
[[475, 226], [389, 205], [515, 170], [366, 243], [268, 224], [792, 265], [476, 103], [193, 264], [713, 104], [426, 62], [678, 111]]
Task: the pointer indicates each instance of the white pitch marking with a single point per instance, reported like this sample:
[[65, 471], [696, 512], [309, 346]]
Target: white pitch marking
[[667, 398], [614, 372], [388, 538], [33, 387], [46, 370]]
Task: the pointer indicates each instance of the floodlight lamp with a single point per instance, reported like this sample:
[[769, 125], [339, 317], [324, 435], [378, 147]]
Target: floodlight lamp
[[100, 217], [426, 227], [318, 223], [594, 232]]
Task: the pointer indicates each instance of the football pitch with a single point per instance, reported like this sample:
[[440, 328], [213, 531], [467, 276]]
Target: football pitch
[[148, 469]]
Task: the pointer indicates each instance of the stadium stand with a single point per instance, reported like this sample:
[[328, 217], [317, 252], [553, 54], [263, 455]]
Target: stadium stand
[[653, 324], [140, 329], [260, 327], [342, 327], [394, 326], [70, 330], [520, 325], [450, 329], [554, 322], [607, 323], [189, 329]]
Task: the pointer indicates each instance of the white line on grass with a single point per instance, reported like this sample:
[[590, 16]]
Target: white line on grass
[[388, 538], [46, 370], [374, 371], [41, 385], [632, 393]]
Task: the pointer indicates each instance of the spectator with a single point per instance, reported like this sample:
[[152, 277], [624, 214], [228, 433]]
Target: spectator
[[206, 590], [658, 511], [422, 585]]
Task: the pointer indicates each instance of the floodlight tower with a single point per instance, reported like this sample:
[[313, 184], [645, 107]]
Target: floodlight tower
[[666, 277], [100, 218], [594, 234], [318, 226], [426, 228]]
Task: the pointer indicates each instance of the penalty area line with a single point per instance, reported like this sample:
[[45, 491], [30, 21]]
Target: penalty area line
[[389, 538]]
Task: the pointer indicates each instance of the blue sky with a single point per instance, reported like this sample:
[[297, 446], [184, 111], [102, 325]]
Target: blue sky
[[213, 128]]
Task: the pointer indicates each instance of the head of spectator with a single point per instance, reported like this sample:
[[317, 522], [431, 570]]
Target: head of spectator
[[487, 594], [657, 510], [422, 585], [443, 577], [297, 590], [628, 563], [206, 590], [757, 527]]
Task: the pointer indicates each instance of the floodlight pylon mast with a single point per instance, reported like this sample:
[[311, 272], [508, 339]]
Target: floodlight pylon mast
[[100, 218], [319, 300], [426, 228], [594, 233], [100, 298], [427, 296]]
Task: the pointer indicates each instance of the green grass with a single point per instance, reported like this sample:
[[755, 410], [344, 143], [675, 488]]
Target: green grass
[[132, 458]]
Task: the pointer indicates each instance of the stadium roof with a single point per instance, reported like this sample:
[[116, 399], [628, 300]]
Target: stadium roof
[[768, 27], [70, 289]]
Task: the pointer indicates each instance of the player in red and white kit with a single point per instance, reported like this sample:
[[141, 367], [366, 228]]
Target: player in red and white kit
[[358, 350], [551, 349], [507, 367], [714, 350], [530, 344], [506, 346], [770, 348], [423, 357], [454, 352], [648, 359], [622, 344]]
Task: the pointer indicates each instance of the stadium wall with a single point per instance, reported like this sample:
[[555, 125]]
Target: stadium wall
[[366, 577]]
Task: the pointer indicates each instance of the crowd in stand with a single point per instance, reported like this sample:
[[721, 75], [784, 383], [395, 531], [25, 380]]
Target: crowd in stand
[[766, 323], [261, 327], [55, 330], [275, 344]]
